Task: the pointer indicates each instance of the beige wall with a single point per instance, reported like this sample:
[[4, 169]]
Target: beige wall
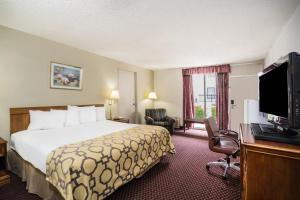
[[287, 40], [168, 86], [243, 84], [25, 73]]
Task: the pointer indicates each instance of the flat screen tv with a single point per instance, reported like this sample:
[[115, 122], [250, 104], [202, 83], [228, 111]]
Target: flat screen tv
[[273, 92], [279, 90]]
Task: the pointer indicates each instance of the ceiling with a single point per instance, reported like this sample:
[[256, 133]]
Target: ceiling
[[156, 34]]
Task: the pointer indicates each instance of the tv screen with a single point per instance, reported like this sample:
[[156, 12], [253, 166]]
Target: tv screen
[[273, 91]]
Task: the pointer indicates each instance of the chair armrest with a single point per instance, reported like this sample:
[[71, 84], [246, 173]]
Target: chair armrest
[[149, 120], [170, 119], [230, 138], [229, 133], [226, 132]]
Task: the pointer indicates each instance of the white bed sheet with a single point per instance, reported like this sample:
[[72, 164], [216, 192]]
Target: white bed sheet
[[35, 145]]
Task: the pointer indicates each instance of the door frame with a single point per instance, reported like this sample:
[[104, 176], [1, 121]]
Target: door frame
[[135, 90]]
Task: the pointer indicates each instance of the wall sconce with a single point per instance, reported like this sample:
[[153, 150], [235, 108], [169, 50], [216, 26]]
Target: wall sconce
[[152, 96], [113, 96]]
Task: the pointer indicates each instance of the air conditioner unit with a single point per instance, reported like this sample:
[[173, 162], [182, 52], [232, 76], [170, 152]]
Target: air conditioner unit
[[252, 114]]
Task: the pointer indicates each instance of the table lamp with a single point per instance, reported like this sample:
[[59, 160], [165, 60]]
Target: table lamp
[[152, 96], [113, 96]]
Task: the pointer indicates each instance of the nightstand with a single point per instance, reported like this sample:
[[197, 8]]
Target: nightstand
[[121, 119], [4, 175]]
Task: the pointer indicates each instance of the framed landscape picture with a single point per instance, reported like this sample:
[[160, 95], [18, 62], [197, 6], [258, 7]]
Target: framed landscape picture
[[65, 77]]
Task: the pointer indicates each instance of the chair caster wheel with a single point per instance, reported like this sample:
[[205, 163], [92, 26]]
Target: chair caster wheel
[[224, 177], [207, 167]]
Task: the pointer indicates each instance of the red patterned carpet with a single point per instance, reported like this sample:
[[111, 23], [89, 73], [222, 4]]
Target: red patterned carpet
[[181, 176]]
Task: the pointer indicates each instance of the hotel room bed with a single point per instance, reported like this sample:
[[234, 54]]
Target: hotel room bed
[[88, 161]]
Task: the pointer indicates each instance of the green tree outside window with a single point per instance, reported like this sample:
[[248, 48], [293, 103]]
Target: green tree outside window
[[199, 112], [213, 111]]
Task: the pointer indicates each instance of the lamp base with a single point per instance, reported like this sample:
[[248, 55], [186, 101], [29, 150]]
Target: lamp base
[[110, 115]]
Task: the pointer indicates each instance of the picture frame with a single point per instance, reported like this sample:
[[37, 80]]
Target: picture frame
[[65, 76]]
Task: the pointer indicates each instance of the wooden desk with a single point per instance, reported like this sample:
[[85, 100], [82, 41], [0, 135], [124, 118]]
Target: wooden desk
[[192, 121], [269, 170]]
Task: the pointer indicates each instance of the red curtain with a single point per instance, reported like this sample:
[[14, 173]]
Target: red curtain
[[222, 92], [222, 100], [188, 98]]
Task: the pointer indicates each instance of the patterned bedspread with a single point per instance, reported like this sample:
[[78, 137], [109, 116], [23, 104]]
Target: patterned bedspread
[[93, 169]]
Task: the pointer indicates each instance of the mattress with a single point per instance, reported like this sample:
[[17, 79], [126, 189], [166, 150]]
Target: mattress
[[35, 145]]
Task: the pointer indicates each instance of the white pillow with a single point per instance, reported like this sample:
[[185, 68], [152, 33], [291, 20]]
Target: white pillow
[[60, 115], [100, 113], [72, 116], [42, 120], [87, 114], [77, 115], [73, 107]]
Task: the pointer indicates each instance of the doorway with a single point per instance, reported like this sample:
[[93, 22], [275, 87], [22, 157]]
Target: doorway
[[127, 105], [204, 89]]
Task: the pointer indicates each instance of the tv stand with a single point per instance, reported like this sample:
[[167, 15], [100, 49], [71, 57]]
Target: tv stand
[[269, 170], [270, 133]]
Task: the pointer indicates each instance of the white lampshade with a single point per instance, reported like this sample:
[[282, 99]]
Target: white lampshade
[[152, 95], [114, 94]]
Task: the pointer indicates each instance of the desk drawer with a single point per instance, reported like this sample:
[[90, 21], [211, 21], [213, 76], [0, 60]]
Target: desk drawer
[[271, 175]]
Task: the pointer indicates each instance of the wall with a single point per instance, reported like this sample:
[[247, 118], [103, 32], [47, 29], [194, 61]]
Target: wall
[[25, 75], [168, 86], [287, 40], [243, 84]]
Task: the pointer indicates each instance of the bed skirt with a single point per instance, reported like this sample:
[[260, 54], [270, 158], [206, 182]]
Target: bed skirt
[[35, 179]]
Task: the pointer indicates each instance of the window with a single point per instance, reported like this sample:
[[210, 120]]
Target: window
[[204, 86], [211, 93]]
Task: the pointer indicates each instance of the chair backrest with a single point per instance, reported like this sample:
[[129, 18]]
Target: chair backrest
[[157, 114], [212, 131]]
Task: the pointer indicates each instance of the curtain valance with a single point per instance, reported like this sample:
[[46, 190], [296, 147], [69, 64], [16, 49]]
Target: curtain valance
[[208, 69]]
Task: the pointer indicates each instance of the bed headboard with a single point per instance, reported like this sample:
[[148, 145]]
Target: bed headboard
[[19, 117]]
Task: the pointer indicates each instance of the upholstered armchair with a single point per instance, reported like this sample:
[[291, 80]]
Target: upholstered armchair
[[158, 116]]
